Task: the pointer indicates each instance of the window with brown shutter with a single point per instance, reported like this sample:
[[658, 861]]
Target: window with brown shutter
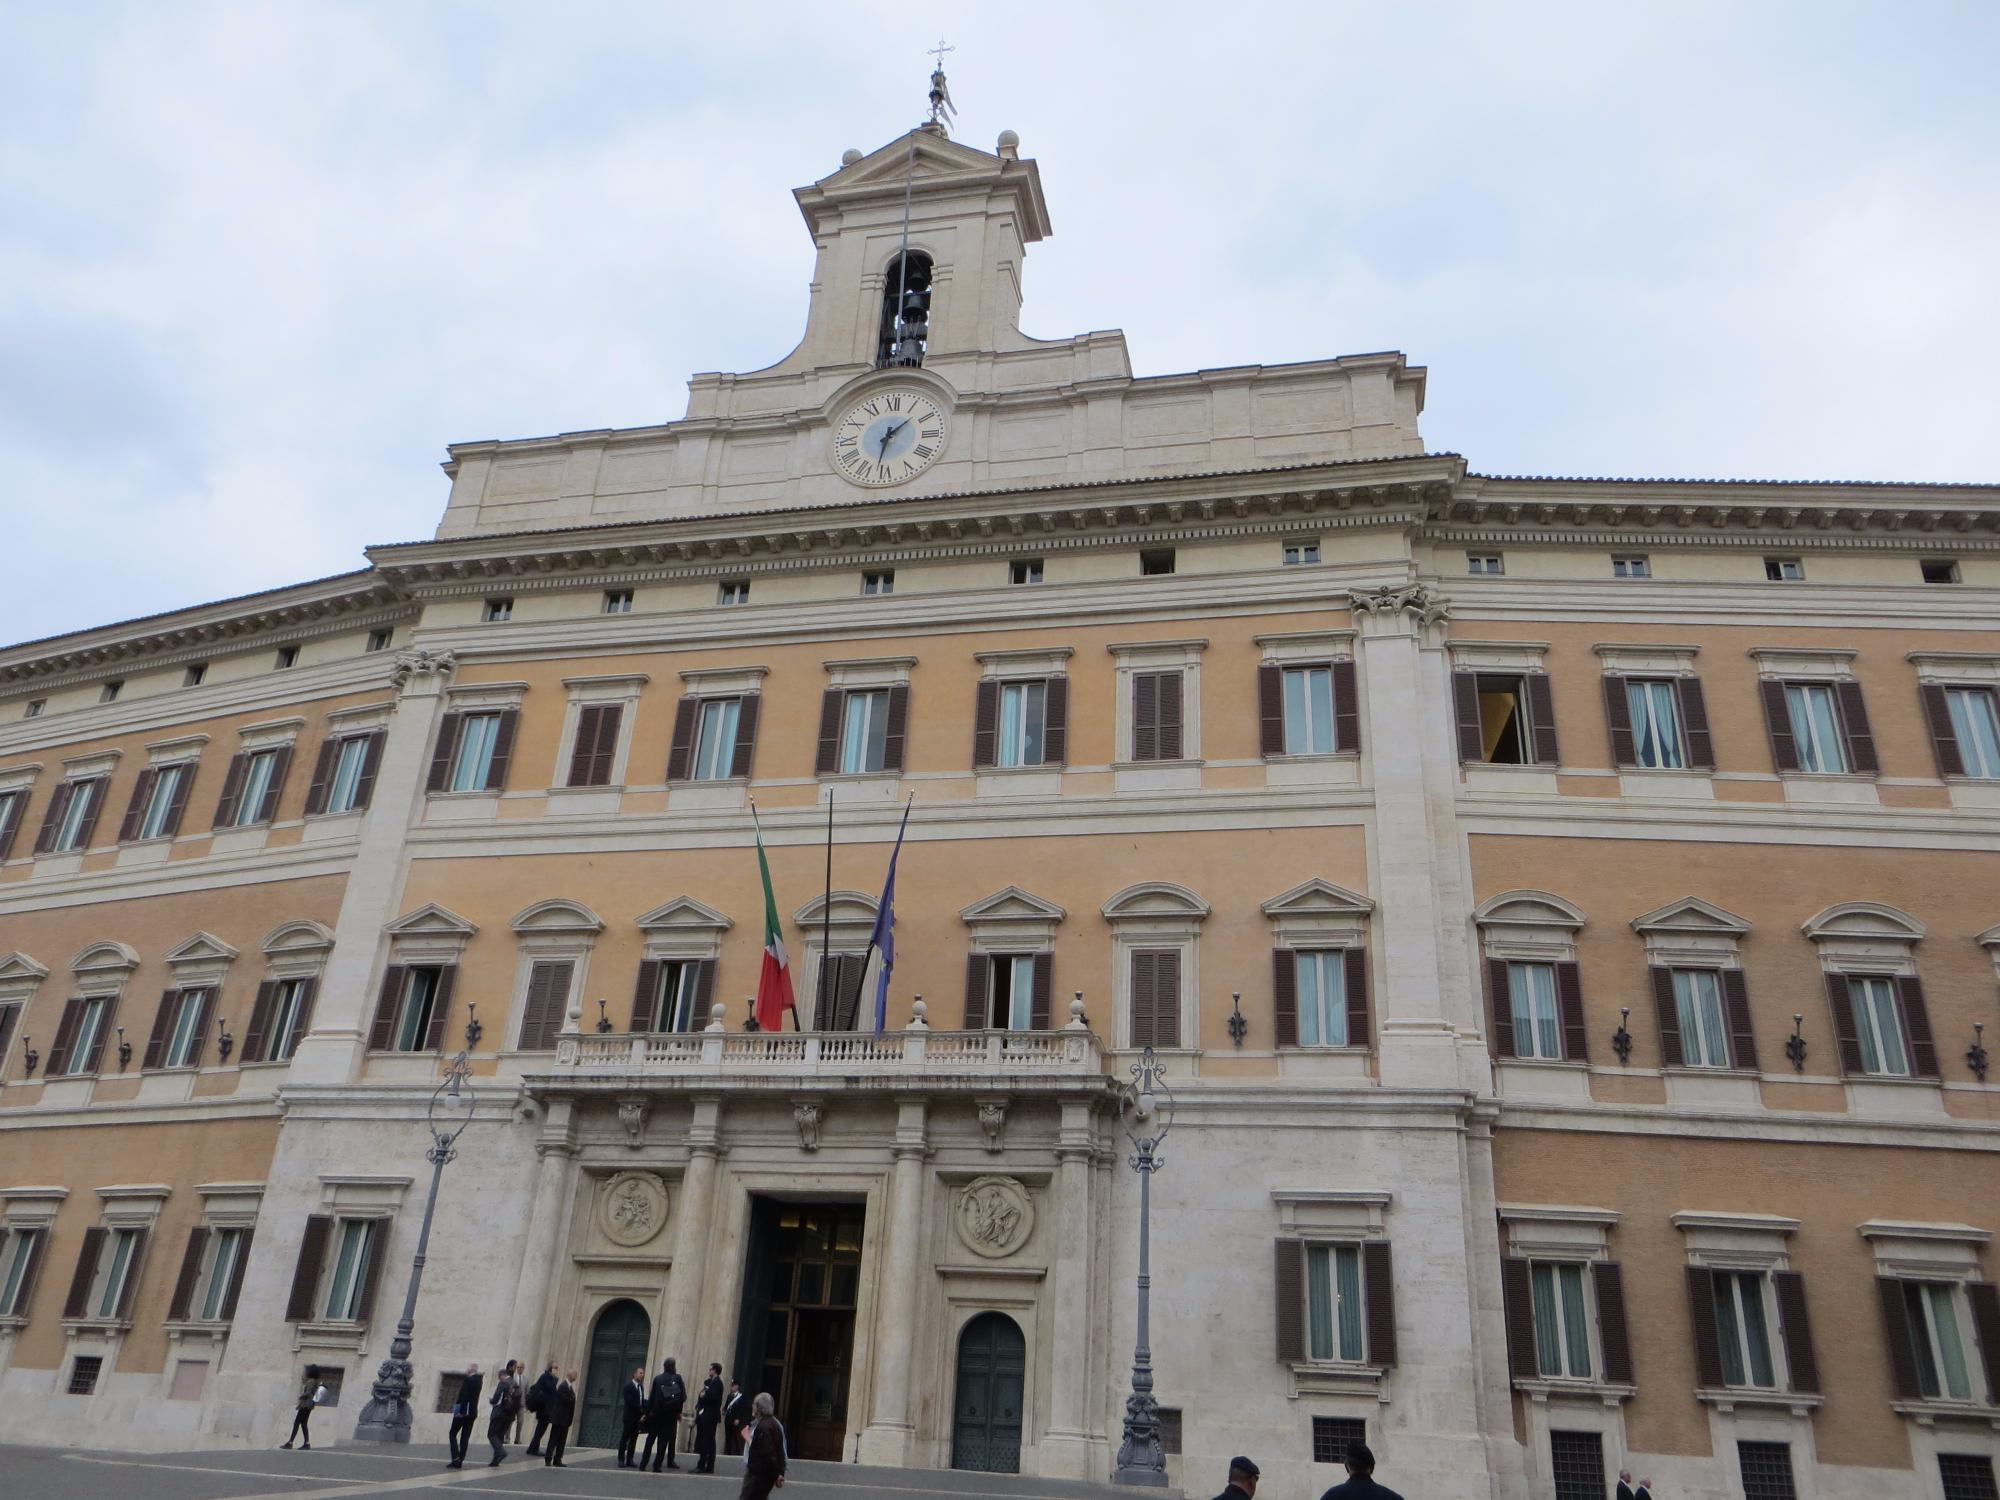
[[646, 995], [831, 704], [749, 710], [543, 1007], [66, 1027], [503, 750], [1854, 726], [232, 790], [1289, 1303], [1700, 741], [1569, 1004], [1742, 1034], [382, 1033], [259, 1023], [142, 793], [978, 991], [242, 1264], [1944, 733], [1618, 717], [1500, 1005], [596, 744], [837, 1001], [32, 1244], [1846, 1035], [899, 726], [680, 749], [1055, 721], [1917, 1022], [299, 1306], [443, 751], [316, 789], [1983, 1298], [1796, 1329], [1346, 708], [190, 1272], [1608, 1277], [1271, 709], [162, 1019], [1701, 1315], [13, 807], [1156, 997], [1517, 1301], [1156, 715], [1778, 723], [1666, 1013], [985, 721], [1378, 1287], [77, 1303], [1285, 997]]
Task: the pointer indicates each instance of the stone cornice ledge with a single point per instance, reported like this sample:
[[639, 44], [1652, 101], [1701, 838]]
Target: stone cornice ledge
[[1701, 1218], [1892, 1229], [126, 1113], [1802, 1127]]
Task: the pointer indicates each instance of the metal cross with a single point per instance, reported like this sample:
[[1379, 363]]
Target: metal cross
[[939, 51]]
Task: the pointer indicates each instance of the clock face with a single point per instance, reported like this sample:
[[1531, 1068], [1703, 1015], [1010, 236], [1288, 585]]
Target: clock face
[[888, 437]]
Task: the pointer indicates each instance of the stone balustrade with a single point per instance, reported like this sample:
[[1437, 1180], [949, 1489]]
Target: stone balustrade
[[801, 1055]]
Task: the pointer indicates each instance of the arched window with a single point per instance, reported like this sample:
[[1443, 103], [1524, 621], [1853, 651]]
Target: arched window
[[906, 311]]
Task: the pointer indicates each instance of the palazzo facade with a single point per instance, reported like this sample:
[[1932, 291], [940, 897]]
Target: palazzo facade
[[1568, 911]]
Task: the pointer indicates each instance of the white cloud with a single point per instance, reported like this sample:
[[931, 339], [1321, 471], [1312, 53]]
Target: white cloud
[[259, 264]]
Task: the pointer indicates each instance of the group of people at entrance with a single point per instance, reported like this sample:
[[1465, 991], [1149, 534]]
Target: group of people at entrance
[[749, 1427]]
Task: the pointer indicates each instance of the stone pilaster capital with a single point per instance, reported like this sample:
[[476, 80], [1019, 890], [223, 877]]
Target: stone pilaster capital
[[1413, 608], [423, 670]]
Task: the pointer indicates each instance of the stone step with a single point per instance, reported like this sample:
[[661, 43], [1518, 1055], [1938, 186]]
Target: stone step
[[962, 1482]]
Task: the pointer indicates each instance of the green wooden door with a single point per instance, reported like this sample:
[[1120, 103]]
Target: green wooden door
[[617, 1347], [986, 1406]]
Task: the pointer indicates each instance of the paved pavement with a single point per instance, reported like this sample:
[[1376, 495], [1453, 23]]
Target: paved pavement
[[418, 1472]]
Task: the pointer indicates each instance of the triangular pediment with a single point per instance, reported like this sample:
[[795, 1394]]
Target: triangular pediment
[[685, 914], [940, 164], [557, 915], [1691, 914], [936, 156], [431, 918], [1318, 898], [203, 947], [1013, 905], [1990, 938], [18, 966]]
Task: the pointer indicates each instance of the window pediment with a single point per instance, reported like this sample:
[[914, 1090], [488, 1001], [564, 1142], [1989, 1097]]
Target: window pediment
[[300, 937], [1537, 909], [557, 916], [110, 959], [1318, 898], [1012, 904], [1155, 899], [685, 914], [18, 968], [431, 920], [203, 947], [1864, 921], [1691, 917]]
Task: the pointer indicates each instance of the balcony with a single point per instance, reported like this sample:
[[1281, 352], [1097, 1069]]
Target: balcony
[[750, 1061]]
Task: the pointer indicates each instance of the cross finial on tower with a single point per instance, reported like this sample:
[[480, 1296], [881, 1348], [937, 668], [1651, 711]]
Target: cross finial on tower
[[941, 108]]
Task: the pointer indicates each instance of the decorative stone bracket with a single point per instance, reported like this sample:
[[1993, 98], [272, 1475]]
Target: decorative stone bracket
[[808, 1115]]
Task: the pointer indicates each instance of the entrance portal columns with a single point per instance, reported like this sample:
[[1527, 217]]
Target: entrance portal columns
[[1065, 1447], [888, 1437], [682, 1331], [547, 1216]]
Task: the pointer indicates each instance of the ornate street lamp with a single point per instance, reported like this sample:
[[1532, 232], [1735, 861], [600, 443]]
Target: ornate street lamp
[[1141, 1459], [386, 1417]]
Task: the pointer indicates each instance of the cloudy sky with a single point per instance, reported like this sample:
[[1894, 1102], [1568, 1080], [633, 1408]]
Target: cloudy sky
[[260, 262]]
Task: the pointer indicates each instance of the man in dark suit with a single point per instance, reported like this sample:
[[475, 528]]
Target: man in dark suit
[[1361, 1483], [464, 1412], [537, 1403], [735, 1417], [632, 1404], [764, 1461], [1625, 1485], [561, 1411], [1645, 1490], [663, 1417], [707, 1413], [1242, 1480]]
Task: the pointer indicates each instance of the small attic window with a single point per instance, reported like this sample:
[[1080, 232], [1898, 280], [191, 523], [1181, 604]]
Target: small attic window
[[906, 311]]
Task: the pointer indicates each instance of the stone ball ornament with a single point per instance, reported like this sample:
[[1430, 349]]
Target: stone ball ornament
[[632, 1209], [994, 1216]]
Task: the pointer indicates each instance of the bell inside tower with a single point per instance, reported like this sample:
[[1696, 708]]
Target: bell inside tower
[[906, 311]]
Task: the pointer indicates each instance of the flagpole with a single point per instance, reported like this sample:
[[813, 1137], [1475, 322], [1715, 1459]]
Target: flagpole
[[821, 1007]]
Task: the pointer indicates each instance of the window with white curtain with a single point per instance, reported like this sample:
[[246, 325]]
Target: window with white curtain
[[1656, 723], [1562, 1324], [347, 766], [1938, 1333], [1333, 1303], [1023, 723], [1743, 1328], [350, 1270], [1322, 987], [1698, 1001], [1976, 723], [865, 732], [1816, 726], [1308, 711], [715, 738], [478, 736], [1878, 1020], [1532, 990]]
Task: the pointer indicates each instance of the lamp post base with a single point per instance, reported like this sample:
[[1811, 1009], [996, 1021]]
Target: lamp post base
[[386, 1417], [1142, 1461]]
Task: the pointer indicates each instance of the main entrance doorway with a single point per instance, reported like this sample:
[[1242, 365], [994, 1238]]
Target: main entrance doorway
[[796, 1338], [986, 1401], [617, 1348]]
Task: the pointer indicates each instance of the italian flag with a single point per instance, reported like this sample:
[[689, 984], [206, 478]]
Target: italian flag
[[774, 981]]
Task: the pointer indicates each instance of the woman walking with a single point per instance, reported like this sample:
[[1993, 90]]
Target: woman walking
[[311, 1394]]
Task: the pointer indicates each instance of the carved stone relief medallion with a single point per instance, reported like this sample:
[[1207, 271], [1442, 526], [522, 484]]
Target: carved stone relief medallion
[[632, 1208], [994, 1216]]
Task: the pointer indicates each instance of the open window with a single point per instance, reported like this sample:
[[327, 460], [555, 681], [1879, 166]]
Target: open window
[[1505, 718]]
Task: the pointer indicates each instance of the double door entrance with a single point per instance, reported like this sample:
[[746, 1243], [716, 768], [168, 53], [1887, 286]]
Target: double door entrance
[[796, 1337]]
